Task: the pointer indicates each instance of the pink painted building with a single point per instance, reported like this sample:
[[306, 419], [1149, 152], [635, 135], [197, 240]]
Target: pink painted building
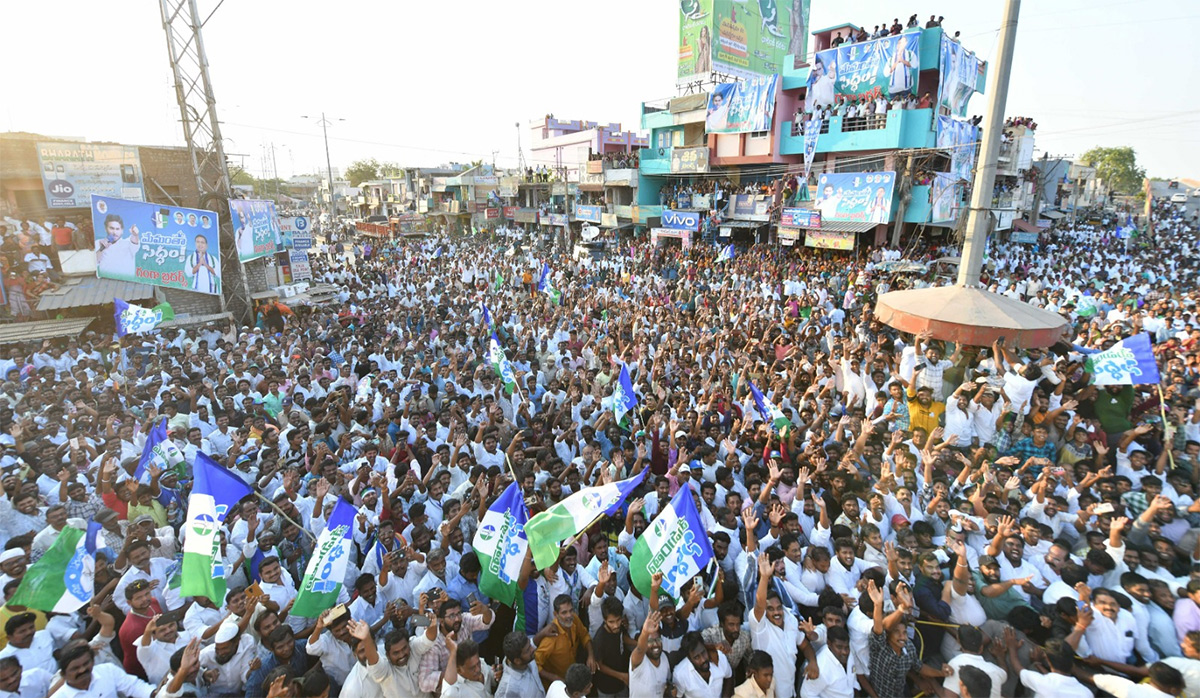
[[568, 145]]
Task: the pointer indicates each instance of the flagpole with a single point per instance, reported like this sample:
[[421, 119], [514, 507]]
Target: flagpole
[[285, 516], [1162, 407]]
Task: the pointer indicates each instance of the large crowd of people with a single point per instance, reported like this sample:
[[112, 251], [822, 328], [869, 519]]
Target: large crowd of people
[[931, 519]]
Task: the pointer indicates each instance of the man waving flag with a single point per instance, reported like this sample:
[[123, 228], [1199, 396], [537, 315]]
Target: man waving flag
[[501, 365], [572, 515], [327, 567], [161, 452], [727, 254], [214, 492], [623, 398], [501, 545], [675, 543], [487, 316], [546, 286], [1128, 362], [770, 413]]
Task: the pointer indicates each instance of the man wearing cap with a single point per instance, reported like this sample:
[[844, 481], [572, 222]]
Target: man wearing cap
[[227, 662], [141, 567]]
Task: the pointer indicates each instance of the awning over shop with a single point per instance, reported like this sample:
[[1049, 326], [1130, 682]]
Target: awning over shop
[[742, 224], [20, 332], [846, 226], [1024, 226], [623, 226], [591, 186], [1053, 215], [195, 320], [83, 291]]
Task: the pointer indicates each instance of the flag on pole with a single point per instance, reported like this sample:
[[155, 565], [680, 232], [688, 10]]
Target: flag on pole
[[675, 543], [573, 514], [547, 287], [770, 413], [134, 319], [487, 316], [161, 451], [623, 398], [61, 580], [727, 253], [1129, 362], [215, 491], [501, 545], [501, 365], [500, 277], [1086, 307], [327, 567]]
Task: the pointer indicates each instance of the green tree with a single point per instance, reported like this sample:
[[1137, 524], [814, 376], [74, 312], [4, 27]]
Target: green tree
[[1117, 167], [362, 170]]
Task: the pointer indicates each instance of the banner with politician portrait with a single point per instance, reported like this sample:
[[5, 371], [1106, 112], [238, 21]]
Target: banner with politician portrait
[[886, 67], [157, 245], [959, 70], [960, 138], [864, 197], [255, 228], [742, 107]]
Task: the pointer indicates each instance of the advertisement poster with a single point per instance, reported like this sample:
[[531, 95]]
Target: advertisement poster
[[292, 227], [743, 106], [750, 207], [72, 172], [255, 228], [829, 240], [157, 245], [943, 198], [301, 269], [959, 69], [739, 38], [688, 160], [680, 220], [800, 218], [886, 66], [591, 214], [961, 138], [865, 197]]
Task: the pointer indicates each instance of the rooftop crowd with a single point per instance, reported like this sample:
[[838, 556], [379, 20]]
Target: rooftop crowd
[[937, 519]]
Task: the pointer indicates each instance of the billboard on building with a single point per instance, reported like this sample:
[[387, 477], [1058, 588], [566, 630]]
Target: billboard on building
[[958, 70], [800, 218], [292, 227], [158, 245], [689, 160], [255, 228], [510, 212], [743, 106], [961, 138], [750, 207], [508, 186], [864, 197], [680, 220], [738, 38], [591, 214], [72, 172], [829, 239], [886, 66]]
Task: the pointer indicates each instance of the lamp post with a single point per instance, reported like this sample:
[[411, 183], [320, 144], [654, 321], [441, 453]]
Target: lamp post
[[325, 124]]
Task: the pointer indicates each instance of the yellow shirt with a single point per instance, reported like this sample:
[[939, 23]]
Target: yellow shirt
[[750, 689], [555, 654], [155, 511], [39, 621], [920, 417]]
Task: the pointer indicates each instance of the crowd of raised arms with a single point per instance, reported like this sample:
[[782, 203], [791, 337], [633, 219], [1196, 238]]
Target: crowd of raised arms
[[923, 518]]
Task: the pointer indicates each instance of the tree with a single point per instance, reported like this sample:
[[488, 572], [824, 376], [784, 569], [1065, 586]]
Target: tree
[[362, 170], [1117, 167]]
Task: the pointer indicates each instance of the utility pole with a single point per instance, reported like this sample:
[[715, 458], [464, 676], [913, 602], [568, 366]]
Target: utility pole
[[275, 172], [905, 197], [1038, 183], [985, 174], [325, 124]]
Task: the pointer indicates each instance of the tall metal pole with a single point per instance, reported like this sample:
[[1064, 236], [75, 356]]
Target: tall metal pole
[[329, 169], [985, 173]]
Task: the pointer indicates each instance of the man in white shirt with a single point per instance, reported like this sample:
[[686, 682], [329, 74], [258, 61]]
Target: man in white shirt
[[775, 631], [82, 677], [838, 675], [228, 661], [970, 638], [116, 255], [16, 682]]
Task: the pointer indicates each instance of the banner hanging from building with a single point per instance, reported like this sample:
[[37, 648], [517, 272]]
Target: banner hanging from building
[[591, 214], [743, 106], [864, 197], [943, 198], [750, 207], [829, 240], [800, 218], [689, 160], [738, 38], [886, 67], [508, 186], [72, 172], [961, 138], [255, 228], [156, 245], [959, 70], [812, 131]]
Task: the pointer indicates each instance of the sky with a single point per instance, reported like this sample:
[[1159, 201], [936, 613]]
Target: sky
[[425, 83]]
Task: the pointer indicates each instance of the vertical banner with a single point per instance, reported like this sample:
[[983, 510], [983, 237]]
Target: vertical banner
[[961, 138], [164, 246], [73, 172], [812, 131], [943, 197], [958, 69], [864, 197], [886, 67], [255, 226], [743, 106]]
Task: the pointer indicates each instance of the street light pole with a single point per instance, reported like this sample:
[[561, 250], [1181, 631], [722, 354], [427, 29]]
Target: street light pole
[[325, 124], [985, 173]]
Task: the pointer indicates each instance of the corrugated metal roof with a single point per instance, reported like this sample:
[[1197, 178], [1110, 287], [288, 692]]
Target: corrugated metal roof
[[193, 320], [84, 291], [20, 332], [846, 226]]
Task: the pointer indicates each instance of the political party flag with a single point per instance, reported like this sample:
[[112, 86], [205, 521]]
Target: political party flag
[[62, 579], [675, 543], [501, 544], [770, 413], [501, 365], [1128, 362], [487, 316], [134, 319], [573, 514], [327, 567], [1086, 307], [812, 131], [726, 254], [215, 491], [500, 277], [547, 287], [162, 452], [623, 398]]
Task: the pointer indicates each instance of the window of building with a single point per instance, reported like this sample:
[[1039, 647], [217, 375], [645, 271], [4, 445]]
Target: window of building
[[760, 134]]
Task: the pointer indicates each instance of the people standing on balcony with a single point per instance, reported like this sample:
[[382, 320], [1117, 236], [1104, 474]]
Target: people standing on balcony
[[837, 40], [913, 22]]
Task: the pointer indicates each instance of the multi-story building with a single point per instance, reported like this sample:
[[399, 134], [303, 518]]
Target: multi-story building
[[1016, 179]]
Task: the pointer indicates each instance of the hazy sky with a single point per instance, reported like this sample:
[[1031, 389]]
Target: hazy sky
[[421, 83]]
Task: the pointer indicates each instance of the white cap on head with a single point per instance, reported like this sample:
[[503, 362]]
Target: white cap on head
[[226, 632], [11, 554]]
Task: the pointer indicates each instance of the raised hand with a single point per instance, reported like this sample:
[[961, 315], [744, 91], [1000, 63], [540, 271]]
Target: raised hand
[[874, 592], [765, 568]]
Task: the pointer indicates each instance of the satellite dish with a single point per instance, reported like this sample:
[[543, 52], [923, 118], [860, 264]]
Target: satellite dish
[[590, 232]]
